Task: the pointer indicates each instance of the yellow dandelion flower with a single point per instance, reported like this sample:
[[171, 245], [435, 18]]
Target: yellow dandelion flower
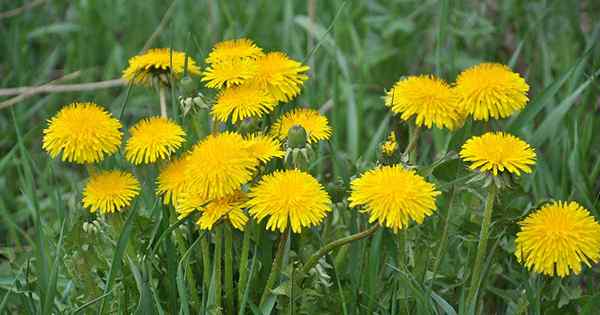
[[229, 73], [83, 132], [234, 49], [229, 207], [283, 77], [188, 200], [498, 151], [171, 180], [390, 146], [264, 148], [393, 196], [110, 191], [219, 164], [241, 102], [558, 239], [427, 98], [153, 139], [292, 197], [158, 61], [315, 124], [491, 90]]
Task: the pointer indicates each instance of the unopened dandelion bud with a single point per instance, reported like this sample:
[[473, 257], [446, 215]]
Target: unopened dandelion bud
[[297, 137], [188, 86]]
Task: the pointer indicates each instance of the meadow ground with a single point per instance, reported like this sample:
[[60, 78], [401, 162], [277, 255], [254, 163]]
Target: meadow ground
[[57, 257]]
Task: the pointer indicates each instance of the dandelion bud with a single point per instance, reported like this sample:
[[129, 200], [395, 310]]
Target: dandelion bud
[[297, 137], [188, 87]]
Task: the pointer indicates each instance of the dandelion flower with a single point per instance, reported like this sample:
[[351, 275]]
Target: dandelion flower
[[171, 180], [558, 239], [315, 124], [491, 90], [390, 146], [283, 77], [188, 201], [110, 191], [264, 148], [219, 164], [234, 49], [429, 99], [496, 152], [153, 139], [229, 207], [241, 102], [158, 61], [292, 197], [393, 196], [83, 132], [229, 73]]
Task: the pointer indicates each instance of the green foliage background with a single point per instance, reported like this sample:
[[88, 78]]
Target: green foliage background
[[356, 50]]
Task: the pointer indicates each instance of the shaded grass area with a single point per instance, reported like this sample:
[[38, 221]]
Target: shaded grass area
[[356, 50]]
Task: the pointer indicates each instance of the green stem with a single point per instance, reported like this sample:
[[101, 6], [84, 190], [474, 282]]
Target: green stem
[[444, 240], [410, 151], [163, 100], [218, 259], [228, 269], [314, 259], [243, 271], [482, 247], [205, 252], [275, 268]]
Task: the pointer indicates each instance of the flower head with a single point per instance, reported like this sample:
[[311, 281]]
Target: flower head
[[390, 146], [315, 124], [558, 239], [292, 197], [158, 61], [491, 90], [153, 139], [110, 191], [281, 76], [218, 165], [234, 49], [228, 207], [496, 152], [264, 148], [241, 102], [393, 196], [171, 180], [429, 99], [83, 132], [229, 73]]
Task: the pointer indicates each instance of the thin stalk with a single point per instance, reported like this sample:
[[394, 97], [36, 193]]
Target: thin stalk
[[205, 252], [410, 150], [314, 259], [243, 271], [275, 268], [444, 240], [163, 100], [218, 259], [482, 247], [228, 269]]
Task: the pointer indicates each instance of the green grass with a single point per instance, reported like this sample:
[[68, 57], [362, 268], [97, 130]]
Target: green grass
[[154, 263]]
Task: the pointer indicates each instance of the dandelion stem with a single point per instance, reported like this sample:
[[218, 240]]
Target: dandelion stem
[[314, 259], [163, 100], [275, 268], [410, 151], [444, 239], [243, 271], [217, 262], [205, 251], [481, 248], [228, 269]]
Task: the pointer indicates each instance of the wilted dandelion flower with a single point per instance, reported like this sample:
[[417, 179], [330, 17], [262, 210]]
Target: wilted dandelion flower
[[153, 139], [110, 191], [281, 76], [292, 197], [229, 73], [390, 146], [491, 90], [496, 152], [228, 207], [218, 165], [241, 102], [171, 180], [158, 61], [234, 49], [83, 132], [315, 124], [558, 239], [393, 196], [429, 99], [264, 148]]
